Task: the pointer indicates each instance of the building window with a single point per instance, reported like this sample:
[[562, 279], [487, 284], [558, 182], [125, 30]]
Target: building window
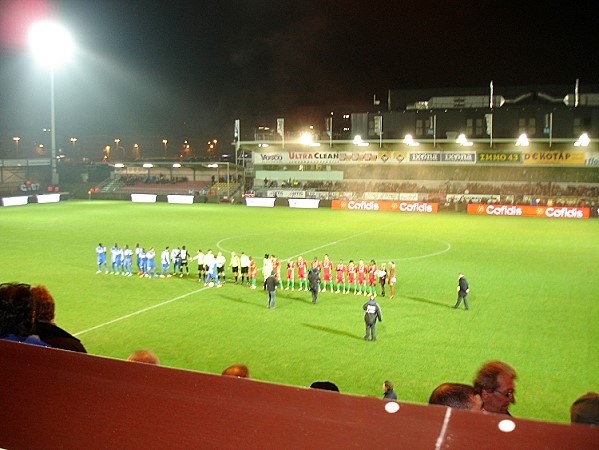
[[475, 127], [424, 127], [581, 125], [419, 131], [527, 125]]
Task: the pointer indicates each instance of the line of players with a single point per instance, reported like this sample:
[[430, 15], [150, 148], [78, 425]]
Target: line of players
[[121, 261], [359, 279], [211, 268]]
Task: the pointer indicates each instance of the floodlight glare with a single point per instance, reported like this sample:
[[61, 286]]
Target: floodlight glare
[[359, 142], [409, 140], [522, 141], [305, 139], [50, 42], [583, 141], [463, 141]]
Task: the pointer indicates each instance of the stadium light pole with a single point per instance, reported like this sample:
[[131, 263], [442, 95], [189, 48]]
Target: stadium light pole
[[52, 45], [73, 141], [16, 139]]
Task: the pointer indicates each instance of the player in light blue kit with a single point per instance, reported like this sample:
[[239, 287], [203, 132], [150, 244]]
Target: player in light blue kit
[[211, 272], [101, 257], [176, 259], [165, 270], [119, 261], [114, 251], [151, 257], [128, 261], [138, 259], [143, 263]]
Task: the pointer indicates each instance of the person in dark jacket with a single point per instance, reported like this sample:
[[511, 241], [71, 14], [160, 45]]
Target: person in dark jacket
[[463, 290], [388, 392], [372, 313], [270, 285], [314, 283], [45, 326]]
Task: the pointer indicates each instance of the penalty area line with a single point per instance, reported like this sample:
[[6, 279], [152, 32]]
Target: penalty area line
[[136, 313]]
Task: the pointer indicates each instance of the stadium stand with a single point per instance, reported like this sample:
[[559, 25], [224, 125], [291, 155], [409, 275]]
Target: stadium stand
[[183, 187], [61, 399]]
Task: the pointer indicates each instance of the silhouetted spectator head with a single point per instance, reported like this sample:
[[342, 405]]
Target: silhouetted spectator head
[[325, 385], [44, 303], [237, 370], [17, 310], [144, 356], [387, 386], [456, 395], [494, 383], [585, 409], [388, 392]]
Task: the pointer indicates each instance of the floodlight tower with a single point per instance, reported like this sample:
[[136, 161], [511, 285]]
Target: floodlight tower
[[52, 45]]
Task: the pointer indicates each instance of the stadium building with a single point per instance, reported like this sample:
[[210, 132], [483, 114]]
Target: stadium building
[[528, 145]]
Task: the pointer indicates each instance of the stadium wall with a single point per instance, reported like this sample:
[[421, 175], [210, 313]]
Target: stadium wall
[[59, 399]]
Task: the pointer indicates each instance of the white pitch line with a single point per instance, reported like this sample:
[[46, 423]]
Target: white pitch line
[[328, 244], [353, 236], [441, 437], [126, 316]]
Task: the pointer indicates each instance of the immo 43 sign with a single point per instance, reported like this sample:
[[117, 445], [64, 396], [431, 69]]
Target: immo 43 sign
[[555, 212], [381, 205]]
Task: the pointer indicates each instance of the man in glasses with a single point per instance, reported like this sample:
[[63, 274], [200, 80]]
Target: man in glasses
[[494, 383]]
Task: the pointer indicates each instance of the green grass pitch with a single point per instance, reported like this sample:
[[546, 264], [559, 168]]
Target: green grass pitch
[[534, 295]]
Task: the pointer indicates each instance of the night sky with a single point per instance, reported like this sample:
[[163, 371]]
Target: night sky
[[192, 67]]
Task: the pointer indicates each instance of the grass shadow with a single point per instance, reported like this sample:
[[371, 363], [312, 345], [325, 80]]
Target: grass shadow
[[430, 302], [240, 300], [332, 331], [294, 297]]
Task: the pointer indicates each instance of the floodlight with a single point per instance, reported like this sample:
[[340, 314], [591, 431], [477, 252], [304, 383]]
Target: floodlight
[[583, 141], [463, 141], [305, 139], [409, 141], [50, 42], [522, 141]]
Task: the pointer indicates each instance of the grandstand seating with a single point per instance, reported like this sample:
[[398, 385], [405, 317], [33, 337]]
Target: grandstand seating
[[111, 185], [224, 189], [183, 187]]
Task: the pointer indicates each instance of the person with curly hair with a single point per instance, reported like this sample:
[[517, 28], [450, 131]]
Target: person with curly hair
[[18, 314]]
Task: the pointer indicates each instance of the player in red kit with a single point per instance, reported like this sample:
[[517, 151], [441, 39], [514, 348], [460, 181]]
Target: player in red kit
[[290, 275], [372, 271], [340, 271], [351, 276], [327, 273], [253, 272], [302, 266], [276, 268], [362, 271], [315, 265]]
